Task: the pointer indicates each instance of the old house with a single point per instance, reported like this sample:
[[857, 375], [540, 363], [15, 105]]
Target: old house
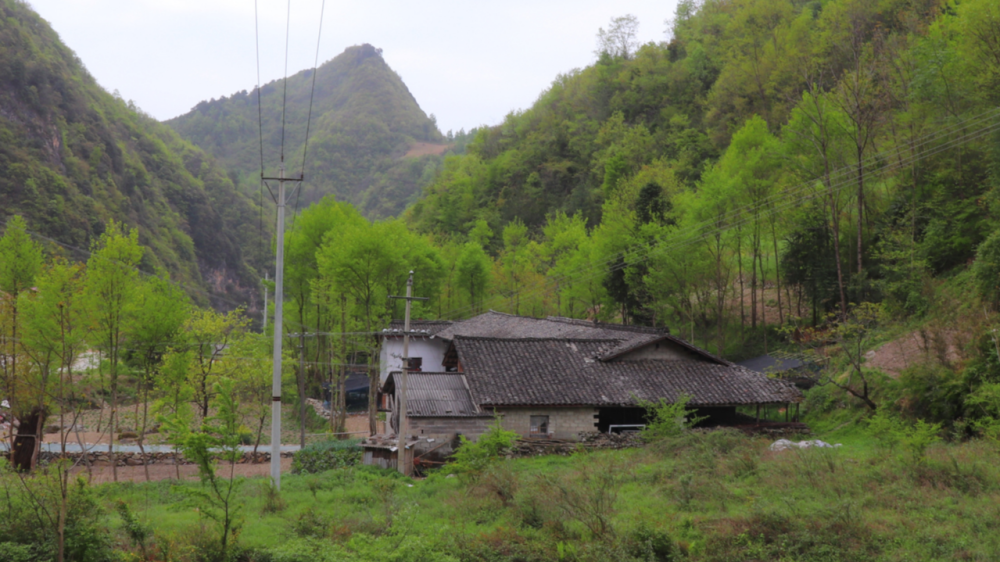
[[559, 377]]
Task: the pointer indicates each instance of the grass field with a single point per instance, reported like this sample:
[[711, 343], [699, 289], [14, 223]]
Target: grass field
[[702, 496]]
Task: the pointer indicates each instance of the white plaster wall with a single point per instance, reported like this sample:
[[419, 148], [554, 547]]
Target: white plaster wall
[[432, 351]]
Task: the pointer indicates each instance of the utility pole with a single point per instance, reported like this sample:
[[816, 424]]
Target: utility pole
[[279, 278], [403, 466]]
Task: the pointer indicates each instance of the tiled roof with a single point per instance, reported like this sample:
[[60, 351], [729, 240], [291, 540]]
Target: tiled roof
[[628, 346], [562, 371], [771, 364], [500, 325], [431, 327], [435, 395]]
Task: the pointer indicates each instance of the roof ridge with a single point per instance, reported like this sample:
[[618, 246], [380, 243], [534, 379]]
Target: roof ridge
[[608, 325], [553, 338]]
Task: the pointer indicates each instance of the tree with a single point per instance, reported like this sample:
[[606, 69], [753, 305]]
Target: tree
[[853, 337], [619, 39], [160, 311], [110, 289], [54, 336], [368, 263], [208, 334], [323, 221], [473, 273], [218, 435], [812, 145], [20, 262]]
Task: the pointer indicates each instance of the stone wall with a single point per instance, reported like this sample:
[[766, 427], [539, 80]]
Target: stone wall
[[564, 423], [444, 430], [137, 459]]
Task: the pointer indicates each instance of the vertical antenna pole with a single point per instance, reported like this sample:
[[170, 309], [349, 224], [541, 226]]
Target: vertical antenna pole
[[403, 466], [279, 278]]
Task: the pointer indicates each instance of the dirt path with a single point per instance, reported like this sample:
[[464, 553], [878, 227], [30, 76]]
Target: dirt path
[[914, 348], [103, 473]]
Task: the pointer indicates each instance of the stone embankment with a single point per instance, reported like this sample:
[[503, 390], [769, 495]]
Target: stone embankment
[[138, 459], [591, 440]]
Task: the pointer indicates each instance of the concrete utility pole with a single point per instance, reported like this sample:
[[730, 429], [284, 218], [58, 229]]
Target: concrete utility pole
[[279, 278], [404, 467]]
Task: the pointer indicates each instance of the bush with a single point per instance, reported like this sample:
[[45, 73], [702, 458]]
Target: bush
[[328, 455], [668, 419], [986, 269], [474, 458]]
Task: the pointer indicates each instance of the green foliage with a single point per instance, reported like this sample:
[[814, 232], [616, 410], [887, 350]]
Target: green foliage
[[32, 507], [473, 458], [75, 156], [889, 431], [668, 419], [987, 269], [886, 429], [328, 455], [219, 436], [137, 532], [983, 405], [920, 436], [20, 258]]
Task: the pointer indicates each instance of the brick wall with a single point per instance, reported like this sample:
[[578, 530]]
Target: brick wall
[[564, 423], [445, 429]]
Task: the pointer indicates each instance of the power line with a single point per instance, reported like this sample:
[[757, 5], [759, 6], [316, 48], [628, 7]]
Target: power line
[[284, 95], [312, 91]]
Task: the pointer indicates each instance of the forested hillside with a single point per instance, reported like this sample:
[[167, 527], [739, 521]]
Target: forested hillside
[[73, 156], [773, 157], [364, 121]]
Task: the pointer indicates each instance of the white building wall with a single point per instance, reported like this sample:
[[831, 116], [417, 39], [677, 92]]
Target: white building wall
[[431, 350]]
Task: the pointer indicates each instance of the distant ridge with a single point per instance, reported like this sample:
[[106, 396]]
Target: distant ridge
[[364, 121]]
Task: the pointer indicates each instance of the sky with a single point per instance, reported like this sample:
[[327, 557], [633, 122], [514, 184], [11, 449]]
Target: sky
[[469, 63]]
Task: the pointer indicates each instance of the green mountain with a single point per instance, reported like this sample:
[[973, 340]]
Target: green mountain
[[369, 142], [72, 156]]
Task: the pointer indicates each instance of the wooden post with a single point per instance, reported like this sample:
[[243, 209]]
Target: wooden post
[[758, 414]]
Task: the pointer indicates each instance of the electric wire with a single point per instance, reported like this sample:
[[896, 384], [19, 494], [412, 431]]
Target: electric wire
[[284, 95], [312, 90]]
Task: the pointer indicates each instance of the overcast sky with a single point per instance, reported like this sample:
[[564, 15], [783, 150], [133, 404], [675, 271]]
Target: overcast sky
[[467, 62]]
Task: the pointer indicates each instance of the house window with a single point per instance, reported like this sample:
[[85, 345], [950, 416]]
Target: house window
[[415, 363], [539, 425]]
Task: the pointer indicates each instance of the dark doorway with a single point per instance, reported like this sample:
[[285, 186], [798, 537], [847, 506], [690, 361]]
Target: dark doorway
[[607, 417]]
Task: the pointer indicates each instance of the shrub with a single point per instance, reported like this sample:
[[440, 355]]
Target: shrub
[[919, 437], [667, 419], [986, 269], [474, 458], [328, 455], [886, 429]]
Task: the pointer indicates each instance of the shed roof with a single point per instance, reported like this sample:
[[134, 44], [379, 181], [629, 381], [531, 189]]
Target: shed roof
[[435, 395], [567, 372], [771, 364]]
